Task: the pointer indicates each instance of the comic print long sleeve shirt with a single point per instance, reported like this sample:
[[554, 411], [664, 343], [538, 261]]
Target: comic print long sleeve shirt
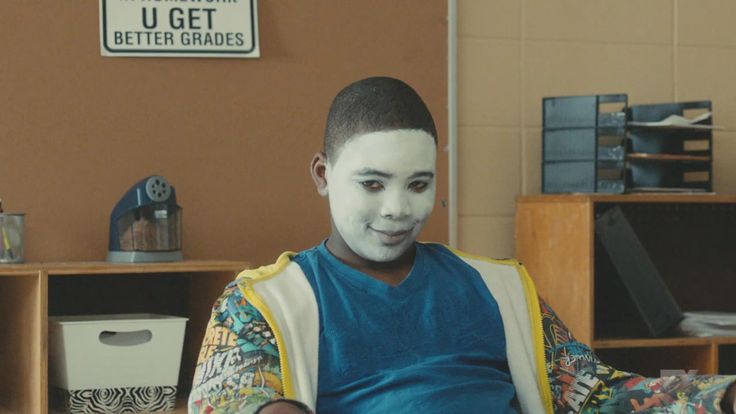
[[581, 383], [238, 367], [239, 370]]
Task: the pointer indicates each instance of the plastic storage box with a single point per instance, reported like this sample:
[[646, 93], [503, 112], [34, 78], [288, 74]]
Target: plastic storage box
[[115, 363], [670, 157], [583, 144]]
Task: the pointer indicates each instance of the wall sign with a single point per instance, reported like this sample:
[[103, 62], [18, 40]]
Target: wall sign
[[179, 28]]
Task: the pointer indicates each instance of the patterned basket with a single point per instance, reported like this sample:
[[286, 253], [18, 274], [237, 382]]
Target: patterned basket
[[114, 400]]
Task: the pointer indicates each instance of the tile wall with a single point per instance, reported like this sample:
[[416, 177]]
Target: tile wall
[[512, 53]]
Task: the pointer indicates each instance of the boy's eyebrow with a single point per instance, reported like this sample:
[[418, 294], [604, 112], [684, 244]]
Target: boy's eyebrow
[[383, 174], [371, 171], [422, 174]]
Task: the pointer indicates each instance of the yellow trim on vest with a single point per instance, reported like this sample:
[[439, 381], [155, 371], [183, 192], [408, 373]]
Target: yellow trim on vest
[[246, 279], [510, 262], [265, 272], [535, 316]]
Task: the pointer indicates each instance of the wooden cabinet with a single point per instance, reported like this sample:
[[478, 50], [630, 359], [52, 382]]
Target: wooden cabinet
[[691, 239], [29, 293]]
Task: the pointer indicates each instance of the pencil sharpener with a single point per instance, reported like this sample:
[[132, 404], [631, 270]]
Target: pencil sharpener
[[145, 225]]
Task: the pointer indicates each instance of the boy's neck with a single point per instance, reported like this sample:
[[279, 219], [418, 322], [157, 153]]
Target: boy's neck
[[391, 273]]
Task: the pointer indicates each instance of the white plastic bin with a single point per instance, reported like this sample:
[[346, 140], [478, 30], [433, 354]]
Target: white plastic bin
[[135, 356]]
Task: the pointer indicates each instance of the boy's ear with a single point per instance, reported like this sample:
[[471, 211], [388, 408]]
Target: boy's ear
[[319, 172]]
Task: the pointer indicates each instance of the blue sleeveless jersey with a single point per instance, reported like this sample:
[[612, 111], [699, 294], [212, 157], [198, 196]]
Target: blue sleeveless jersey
[[432, 344]]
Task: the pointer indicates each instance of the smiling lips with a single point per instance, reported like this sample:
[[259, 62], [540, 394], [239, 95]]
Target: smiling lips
[[392, 237]]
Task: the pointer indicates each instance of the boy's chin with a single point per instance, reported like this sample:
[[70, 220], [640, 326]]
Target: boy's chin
[[384, 254]]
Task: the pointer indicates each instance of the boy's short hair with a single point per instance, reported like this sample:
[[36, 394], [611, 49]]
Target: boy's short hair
[[373, 105]]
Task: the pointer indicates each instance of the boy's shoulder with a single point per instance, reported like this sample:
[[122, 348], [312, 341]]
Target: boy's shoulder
[[470, 258], [266, 272]]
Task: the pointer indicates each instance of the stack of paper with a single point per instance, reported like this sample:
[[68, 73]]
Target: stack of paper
[[704, 323], [678, 121]]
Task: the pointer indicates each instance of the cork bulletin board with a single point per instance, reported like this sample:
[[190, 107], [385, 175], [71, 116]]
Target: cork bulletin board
[[234, 136]]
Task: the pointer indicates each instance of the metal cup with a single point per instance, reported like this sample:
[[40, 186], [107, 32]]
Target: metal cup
[[12, 237]]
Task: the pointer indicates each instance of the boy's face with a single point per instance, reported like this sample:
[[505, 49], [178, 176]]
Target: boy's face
[[381, 190]]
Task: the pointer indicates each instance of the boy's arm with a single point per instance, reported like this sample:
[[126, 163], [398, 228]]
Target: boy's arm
[[239, 365], [581, 383]]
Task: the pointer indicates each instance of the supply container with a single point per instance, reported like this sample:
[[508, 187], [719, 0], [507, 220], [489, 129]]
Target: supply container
[[12, 237], [115, 363]]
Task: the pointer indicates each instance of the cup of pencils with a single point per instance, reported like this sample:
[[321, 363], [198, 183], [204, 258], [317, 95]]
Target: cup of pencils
[[12, 236]]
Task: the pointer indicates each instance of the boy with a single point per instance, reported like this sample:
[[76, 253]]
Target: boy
[[370, 321]]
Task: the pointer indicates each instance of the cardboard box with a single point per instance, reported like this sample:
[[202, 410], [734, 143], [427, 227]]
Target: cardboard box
[[115, 363]]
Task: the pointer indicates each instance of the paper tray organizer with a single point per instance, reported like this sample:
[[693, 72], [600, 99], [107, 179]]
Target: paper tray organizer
[[583, 144], [599, 144], [670, 157]]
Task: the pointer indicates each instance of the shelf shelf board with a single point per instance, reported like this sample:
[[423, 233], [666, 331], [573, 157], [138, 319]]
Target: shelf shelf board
[[629, 198], [614, 343], [99, 268], [639, 156], [692, 127], [181, 406], [15, 271]]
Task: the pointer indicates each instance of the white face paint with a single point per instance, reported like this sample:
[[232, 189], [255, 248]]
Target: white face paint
[[381, 190]]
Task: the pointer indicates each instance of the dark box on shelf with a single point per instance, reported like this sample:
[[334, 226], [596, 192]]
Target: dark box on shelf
[[638, 274]]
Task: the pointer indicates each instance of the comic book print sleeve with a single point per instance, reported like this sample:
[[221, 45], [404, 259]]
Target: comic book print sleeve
[[238, 367], [581, 383]]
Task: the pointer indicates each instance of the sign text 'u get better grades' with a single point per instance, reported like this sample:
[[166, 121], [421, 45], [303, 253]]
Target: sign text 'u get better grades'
[[184, 28]]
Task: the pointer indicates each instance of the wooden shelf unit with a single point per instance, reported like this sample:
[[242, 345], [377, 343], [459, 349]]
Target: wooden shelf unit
[[617, 343], [30, 293], [691, 248]]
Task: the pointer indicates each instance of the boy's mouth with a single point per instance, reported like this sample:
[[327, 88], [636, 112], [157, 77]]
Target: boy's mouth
[[392, 237]]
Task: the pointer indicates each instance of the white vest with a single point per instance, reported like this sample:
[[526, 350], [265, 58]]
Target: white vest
[[285, 298]]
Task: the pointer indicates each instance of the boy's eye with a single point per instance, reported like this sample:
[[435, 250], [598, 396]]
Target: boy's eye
[[372, 185], [418, 186]]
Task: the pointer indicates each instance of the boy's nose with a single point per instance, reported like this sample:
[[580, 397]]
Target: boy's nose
[[395, 206]]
